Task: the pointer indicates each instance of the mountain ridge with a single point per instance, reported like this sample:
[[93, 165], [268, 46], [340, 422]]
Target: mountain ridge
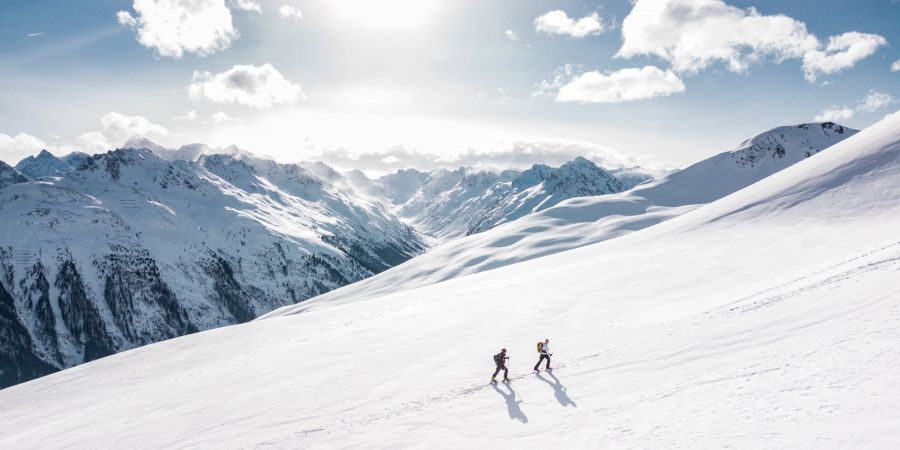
[[129, 249], [584, 221]]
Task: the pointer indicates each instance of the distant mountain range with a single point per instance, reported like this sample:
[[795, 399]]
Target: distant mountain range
[[583, 221], [447, 204]]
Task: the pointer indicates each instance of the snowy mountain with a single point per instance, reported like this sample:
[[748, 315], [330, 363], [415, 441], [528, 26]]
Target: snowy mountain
[[43, 165], [587, 220], [9, 175], [448, 204], [766, 318], [632, 176], [74, 159], [130, 249]]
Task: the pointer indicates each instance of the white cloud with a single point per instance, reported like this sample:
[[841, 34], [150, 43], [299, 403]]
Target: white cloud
[[874, 101], [247, 5], [175, 27], [189, 116], [835, 114], [623, 85], [895, 67], [14, 148], [290, 12], [117, 128], [693, 34], [842, 52], [125, 18], [511, 35], [221, 117], [558, 22], [256, 86]]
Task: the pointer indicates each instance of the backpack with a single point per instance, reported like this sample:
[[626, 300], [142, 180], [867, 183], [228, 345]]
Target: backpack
[[498, 359], [540, 347]]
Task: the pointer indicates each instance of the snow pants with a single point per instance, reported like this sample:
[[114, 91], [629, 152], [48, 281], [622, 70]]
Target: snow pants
[[504, 369], [543, 357]]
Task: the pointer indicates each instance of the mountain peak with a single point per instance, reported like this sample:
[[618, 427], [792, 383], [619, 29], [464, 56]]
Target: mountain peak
[[581, 177], [113, 161], [139, 142], [45, 164], [792, 142]]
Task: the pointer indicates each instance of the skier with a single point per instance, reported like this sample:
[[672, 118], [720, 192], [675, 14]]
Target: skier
[[544, 349], [500, 360]]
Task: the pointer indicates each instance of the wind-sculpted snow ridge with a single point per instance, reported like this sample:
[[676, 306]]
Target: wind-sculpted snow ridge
[[130, 249], [767, 318], [582, 221]]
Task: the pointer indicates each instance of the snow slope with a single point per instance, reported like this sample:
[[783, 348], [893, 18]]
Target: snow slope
[[768, 318], [586, 220], [9, 175]]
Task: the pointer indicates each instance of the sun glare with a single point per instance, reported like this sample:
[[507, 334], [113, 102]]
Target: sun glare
[[386, 15]]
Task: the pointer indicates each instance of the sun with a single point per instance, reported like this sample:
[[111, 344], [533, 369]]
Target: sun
[[386, 15]]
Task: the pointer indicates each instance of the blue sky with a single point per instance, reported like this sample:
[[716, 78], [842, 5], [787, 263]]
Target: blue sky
[[693, 77]]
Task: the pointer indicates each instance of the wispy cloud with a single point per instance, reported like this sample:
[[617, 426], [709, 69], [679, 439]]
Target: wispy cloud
[[31, 35], [56, 46]]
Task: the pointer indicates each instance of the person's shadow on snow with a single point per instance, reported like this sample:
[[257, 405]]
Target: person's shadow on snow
[[559, 390], [512, 405]]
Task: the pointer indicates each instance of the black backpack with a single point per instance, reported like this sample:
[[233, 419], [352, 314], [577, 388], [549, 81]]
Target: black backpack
[[498, 359]]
